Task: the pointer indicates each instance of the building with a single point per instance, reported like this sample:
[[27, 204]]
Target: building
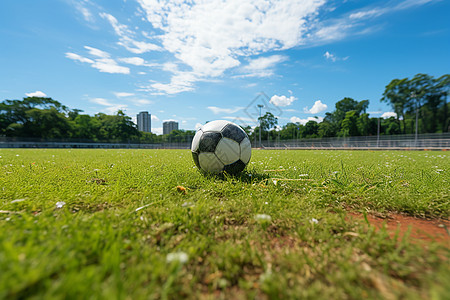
[[144, 121], [169, 126]]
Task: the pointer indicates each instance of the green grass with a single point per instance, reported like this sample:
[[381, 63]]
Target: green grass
[[100, 245]]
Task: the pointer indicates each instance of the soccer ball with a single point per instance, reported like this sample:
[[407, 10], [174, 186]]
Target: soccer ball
[[221, 146]]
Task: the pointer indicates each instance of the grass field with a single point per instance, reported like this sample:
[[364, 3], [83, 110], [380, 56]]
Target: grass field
[[113, 224]]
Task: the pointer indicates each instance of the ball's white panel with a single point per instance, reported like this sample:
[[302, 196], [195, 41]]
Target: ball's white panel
[[228, 151], [246, 150], [217, 125], [210, 163], [196, 140]]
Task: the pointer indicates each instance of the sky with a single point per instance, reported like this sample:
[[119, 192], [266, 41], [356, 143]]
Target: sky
[[198, 61]]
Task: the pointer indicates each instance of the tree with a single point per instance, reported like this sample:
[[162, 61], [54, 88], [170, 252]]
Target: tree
[[338, 119], [268, 121], [443, 88], [34, 117], [349, 125], [398, 94], [366, 126], [326, 129], [310, 130], [423, 94]]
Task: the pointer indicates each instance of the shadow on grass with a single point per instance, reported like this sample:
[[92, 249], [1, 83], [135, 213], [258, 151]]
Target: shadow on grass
[[246, 176]]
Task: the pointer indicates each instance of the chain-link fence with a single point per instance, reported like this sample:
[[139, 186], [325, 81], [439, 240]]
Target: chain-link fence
[[438, 141], [422, 141]]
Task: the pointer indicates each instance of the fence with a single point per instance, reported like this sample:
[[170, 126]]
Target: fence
[[440, 141]]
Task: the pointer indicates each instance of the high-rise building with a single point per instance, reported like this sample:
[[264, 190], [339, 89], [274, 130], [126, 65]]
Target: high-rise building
[[169, 126], [144, 121]]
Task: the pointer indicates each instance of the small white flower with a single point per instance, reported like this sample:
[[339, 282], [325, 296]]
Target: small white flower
[[17, 155], [263, 218], [303, 175], [314, 221], [274, 181], [266, 202], [60, 204], [179, 257]]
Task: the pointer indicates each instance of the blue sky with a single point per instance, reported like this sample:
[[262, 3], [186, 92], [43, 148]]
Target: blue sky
[[210, 60]]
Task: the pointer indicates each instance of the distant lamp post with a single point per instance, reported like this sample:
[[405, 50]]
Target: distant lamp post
[[414, 96], [260, 107], [378, 132]]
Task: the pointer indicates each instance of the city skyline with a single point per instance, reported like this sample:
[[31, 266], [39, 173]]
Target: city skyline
[[201, 61]]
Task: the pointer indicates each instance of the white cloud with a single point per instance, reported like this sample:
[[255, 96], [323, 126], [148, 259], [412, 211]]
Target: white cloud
[[198, 126], [74, 56], [97, 52], [137, 61], [206, 39], [210, 37], [317, 108], [126, 37], [110, 108], [389, 114], [154, 118], [333, 58], [83, 10], [304, 121], [103, 62], [368, 13], [36, 94], [123, 94], [250, 85], [217, 110], [181, 82], [141, 102], [108, 65], [282, 100], [330, 56], [262, 66], [263, 63], [101, 101]]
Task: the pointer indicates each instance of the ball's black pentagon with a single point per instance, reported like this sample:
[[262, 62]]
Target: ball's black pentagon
[[196, 161], [209, 141], [234, 168], [234, 132]]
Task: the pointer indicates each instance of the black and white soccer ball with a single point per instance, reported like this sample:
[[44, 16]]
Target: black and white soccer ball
[[221, 146]]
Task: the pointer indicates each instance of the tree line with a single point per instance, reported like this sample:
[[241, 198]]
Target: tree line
[[423, 97]]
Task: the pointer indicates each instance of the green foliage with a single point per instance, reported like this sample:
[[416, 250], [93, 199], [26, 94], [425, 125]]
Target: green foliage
[[47, 118], [268, 121], [280, 230], [179, 136], [425, 94]]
